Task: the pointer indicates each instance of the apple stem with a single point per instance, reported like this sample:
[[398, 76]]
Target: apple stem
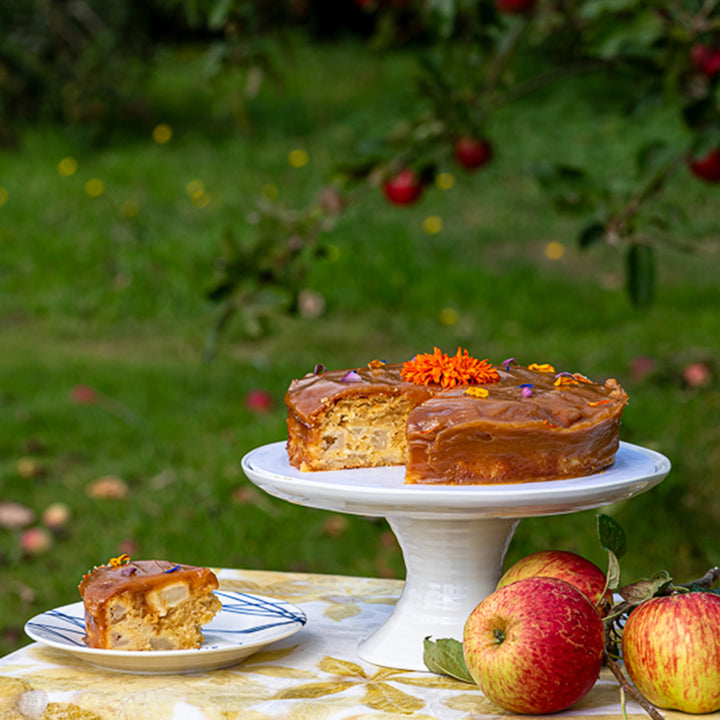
[[630, 689]]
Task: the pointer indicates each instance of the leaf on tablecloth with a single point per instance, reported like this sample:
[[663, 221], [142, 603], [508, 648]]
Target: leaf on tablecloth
[[445, 657], [386, 698], [314, 690], [266, 656], [476, 703], [344, 668], [341, 611]]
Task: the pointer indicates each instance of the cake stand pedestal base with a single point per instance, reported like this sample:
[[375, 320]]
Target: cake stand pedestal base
[[451, 565], [453, 537]]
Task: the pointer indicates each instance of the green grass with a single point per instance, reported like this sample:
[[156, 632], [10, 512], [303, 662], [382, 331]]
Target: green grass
[[90, 294]]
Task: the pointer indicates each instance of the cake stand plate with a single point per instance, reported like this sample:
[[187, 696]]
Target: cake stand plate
[[453, 537]]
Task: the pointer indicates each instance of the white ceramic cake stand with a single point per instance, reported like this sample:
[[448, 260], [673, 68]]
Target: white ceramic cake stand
[[453, 538]]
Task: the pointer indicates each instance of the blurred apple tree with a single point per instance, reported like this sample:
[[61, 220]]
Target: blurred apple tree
[[476, 57], [82, 62]]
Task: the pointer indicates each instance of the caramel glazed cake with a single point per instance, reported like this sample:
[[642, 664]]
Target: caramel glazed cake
[[455, 420], [147, 604]]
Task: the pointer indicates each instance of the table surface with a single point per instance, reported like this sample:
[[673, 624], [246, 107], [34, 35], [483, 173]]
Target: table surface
[[312, 675]]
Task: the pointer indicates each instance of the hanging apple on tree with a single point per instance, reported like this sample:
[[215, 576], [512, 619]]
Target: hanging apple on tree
[[403, 188], [473, 153], [707, 167], [515, 6]]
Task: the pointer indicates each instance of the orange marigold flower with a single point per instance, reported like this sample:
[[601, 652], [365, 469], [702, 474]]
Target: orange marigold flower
[[448, 371]]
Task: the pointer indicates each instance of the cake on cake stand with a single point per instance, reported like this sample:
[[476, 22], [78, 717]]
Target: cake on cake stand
[[453, 538]]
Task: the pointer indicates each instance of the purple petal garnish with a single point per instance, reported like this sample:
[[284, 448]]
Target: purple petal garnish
[[526, 391], [319, 369], [351, 377], [128, 570], [506, 363], [566, 374]]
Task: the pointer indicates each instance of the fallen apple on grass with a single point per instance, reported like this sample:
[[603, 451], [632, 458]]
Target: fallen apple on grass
[[671, 649], [564, 565], [534, 646]]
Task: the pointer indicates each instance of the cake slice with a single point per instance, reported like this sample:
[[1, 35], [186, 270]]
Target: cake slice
[[340, 419], [147, 604]]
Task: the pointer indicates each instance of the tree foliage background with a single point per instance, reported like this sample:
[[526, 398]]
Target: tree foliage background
[[84, 63]]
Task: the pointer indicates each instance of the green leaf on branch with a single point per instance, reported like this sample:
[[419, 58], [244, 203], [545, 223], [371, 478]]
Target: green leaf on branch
[[445, 657], [612, 538], [641, 273], [611, 535]]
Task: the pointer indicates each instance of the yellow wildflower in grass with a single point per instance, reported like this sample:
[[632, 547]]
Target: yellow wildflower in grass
[[198, 194], [433, 224], [554, 250], [3, 196], [130, 208], [67, 166], [162, 133], [449, 316], [94, 187], [269, 191], [201, 200], [444, 180], [298, 158], [194, 187]]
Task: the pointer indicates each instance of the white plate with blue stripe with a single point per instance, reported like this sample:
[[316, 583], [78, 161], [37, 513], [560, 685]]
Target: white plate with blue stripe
[[245, 624]]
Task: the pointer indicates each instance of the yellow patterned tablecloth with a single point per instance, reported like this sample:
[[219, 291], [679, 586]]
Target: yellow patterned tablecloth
[[312, 675]]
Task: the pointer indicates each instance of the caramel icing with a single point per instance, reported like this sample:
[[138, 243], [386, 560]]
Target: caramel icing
[[308, 396]]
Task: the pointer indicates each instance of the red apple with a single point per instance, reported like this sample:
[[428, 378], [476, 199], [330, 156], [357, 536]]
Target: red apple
[[707, 167], [514, 7], [574, 569], [671, 649], [706, 58], [535, 646], [404, 188], [259, 400], [697, 374], [473, 153], [35, 541]]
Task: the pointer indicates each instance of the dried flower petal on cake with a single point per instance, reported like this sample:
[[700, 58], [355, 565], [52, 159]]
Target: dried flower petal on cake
[[448, 371], [477, 392], [564, 379], [541, 367]]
